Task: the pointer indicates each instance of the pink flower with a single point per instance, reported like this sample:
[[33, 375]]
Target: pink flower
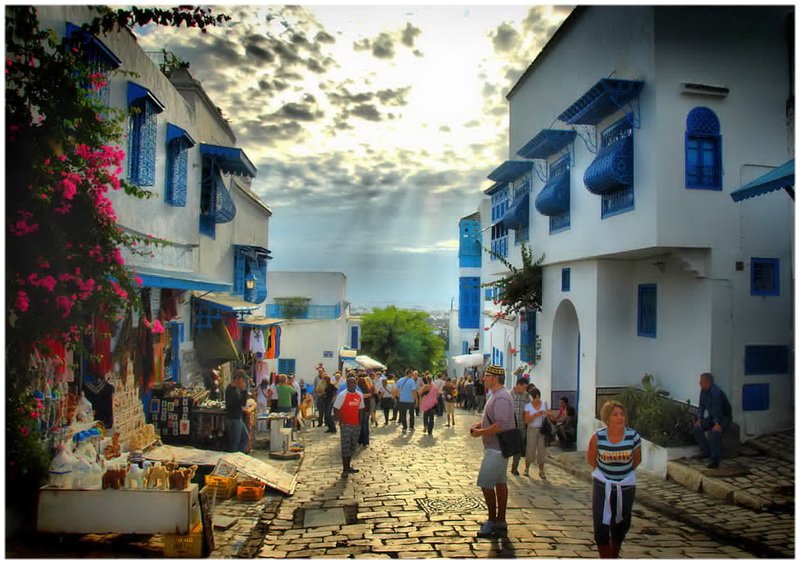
[[24, 431], [64, 305], [138, 280], [21, 302], [157, 327]]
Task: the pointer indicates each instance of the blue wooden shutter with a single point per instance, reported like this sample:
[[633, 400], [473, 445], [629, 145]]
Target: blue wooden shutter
[[354, 337], [469, 302], [238, 271], [646, 318]]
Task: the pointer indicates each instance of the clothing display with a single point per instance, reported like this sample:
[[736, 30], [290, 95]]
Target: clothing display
[[256, 342], [100, 394]]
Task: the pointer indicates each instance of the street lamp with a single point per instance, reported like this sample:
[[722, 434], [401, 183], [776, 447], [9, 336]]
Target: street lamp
[[250, 287]]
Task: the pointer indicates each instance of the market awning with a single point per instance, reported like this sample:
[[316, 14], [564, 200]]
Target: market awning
[[179, 280], [229, 159], [554, 197], [226, 302], [369, 363], [174, 132], [467, 360], [137, 92], [350, 363], [612, 169], [215, 346], [260, 321], [781, 177], [348, 353], [601, 100], [518, 213]]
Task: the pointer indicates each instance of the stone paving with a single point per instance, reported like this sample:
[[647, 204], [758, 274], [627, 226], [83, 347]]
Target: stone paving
[[415, 498]]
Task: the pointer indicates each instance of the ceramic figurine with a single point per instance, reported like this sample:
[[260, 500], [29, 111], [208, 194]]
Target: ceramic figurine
[[114, 478], [84, 411], [157, 477], [85, 448], [134, 477], [180, 478], [81, 474], [113, 450], [61, 468]]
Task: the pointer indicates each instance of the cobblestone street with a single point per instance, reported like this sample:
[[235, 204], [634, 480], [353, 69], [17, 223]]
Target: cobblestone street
[[415, 497]]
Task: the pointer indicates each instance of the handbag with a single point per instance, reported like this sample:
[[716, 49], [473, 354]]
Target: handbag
[[546, 429], [429, 400], [510, 441]]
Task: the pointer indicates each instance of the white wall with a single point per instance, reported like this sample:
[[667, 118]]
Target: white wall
[[323, 288], [305, 340]]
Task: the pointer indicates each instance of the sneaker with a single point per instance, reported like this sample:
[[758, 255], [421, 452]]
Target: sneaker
[[487, 530], [713, 464], [352, 470], [542, 476]]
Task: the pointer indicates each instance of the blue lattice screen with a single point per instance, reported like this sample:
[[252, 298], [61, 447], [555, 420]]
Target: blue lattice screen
[[177, 161], [142, 128]]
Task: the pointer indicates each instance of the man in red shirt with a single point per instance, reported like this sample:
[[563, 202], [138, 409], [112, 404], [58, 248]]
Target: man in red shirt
[[347, 410]]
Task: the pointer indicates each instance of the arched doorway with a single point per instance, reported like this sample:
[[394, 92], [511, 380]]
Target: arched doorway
[[565, 379]]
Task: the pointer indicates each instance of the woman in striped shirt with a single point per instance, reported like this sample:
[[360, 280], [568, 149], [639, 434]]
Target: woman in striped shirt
[[614, 452]]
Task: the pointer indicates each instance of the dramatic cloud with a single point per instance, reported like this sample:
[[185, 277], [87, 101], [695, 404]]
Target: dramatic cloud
[[505, 38], [409, 34], [383, 46]]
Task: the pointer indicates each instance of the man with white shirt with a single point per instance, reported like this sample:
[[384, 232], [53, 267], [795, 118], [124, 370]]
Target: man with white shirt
[[439, 384]]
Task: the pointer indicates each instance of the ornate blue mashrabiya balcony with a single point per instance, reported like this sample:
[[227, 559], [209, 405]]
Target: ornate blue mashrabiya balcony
[[553, 199], [612, 169]]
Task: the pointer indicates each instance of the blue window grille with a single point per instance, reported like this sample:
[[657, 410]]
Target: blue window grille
[[620, 199], [765, 277], [755, 397], [521, 234], [286, 366], [565, 279], [176, 338], [499, 240], [469, 246], [560, 221], [203, 316], [99, 60], [646, 318], [528, 337], [142, 131], [177, 159], [354, 337], [766, 359], [703, 150], [469, 302]]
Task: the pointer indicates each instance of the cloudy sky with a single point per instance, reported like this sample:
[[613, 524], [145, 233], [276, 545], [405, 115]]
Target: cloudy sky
[[372, 127]]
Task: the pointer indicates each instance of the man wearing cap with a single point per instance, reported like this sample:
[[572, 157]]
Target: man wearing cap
[[347, 410], [498, 416]]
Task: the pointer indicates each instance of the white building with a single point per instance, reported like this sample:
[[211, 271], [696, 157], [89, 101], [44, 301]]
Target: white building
[[650, 267], [316, 324], [213, 230], [465, 324]]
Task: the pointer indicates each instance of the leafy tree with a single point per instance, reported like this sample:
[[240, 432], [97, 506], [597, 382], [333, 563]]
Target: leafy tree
[[401, 339], [63, 259], [521, 289]]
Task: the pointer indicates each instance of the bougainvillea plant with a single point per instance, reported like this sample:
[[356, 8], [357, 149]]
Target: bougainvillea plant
[[63, 157], [521, 289]]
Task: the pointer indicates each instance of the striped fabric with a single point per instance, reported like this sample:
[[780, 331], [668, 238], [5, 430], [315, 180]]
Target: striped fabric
[[615, 460]]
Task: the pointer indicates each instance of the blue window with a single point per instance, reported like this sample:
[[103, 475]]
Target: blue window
[[469, 302], [286, 366], [354, 337], [250, 273], [178, 144], [565, 275], [203, 316], [527, 340], [646, 318], [765, 277], [703, 150], [100, 60], [175, 339], [469, 245], [499, 241], [617, 141], [755, 397], [766, 359], [144, 108]]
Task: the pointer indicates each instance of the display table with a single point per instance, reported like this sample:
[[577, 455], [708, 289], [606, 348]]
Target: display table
[[118, 511]]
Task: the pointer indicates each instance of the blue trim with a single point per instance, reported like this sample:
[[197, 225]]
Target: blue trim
[[518, 213], [469, 302], [175, 132], [546, 142], [510, 171], [781, 177], [559, 223], [177, 169], [469, 244], [225, 307], [755, 397], [139, 94], [496, 187], [94, 45], [761, 360], [553, 199], [601, 100], [565, 279], [703, 150], [647, 311], [765, 279], [177, 280], [702, 121], [527, 339], [615, 203], [354, 337], [229, 159], [287, 366]]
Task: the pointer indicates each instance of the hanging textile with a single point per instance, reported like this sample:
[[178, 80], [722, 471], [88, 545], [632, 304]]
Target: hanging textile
[[158, 359], [100, 362], [262, 371], [270, 338], [257, 344], [101, 395], [278, 331], [169, 304], [233, 327]]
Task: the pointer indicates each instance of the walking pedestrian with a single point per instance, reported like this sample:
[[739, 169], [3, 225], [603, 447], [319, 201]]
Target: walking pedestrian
[[450, 399], [363, 387], [330, 396], [347, 409], [614, 452], [428, 404], [386, 399], [405, 391], [439, 383], [469, 394], [235, 402], [319, 393], [520, 397], [535, 415], [718, 417], [498, 416], [480, 395]]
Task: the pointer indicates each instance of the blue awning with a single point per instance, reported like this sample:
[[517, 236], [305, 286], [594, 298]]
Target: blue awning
[[175, 132], [612, 169], [137, 92], [180, 280], [94, 46], [518, 213], [496, 187], [545, 143], [553, 199], [781, 177], [255, 249], [601, 100], [229, 159], [510, 171]]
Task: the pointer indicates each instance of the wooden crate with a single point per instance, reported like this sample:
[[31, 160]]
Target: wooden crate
[[184, 546], [250, 490], [223, 486]]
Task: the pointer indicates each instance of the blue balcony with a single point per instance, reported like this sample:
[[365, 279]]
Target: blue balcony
[[306, 312]]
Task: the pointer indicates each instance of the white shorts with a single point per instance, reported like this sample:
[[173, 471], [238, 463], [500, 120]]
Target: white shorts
[[493, 469]]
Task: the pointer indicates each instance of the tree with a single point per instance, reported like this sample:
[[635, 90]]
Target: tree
[[63, 260], [401, 339], [520, 291]]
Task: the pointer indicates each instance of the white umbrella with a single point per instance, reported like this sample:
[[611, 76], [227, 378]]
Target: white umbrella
[[369, 363], [467, 360]]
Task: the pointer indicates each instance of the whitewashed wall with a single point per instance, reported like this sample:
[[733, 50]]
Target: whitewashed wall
[[323, 288]]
